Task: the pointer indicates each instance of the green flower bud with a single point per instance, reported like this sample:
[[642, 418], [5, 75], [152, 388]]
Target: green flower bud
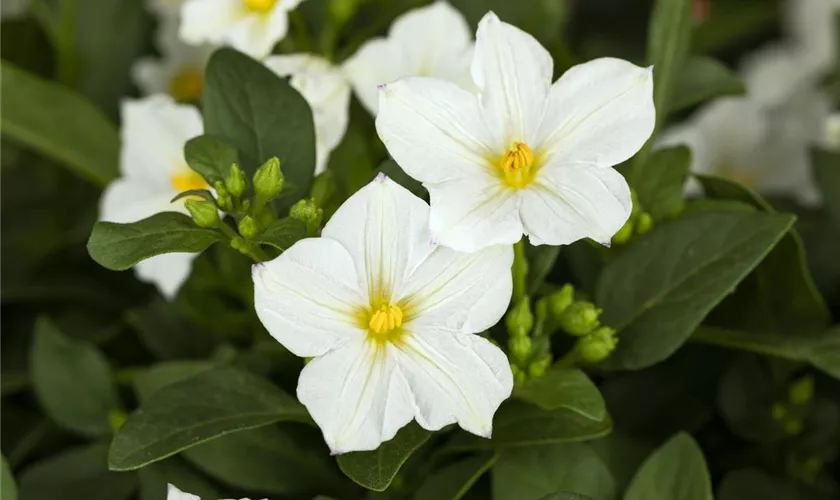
[[634, 199], [560, 300], [597, 346], [644, 223], [580, 318], [793, 426], [116, 419], [779, 412], [268, 181], [308, 212], [221, 190], [248, 227], [801, 392], [236, 183], [519, 376], [203, 212], [623, 235], [538, 367], [519, 319], [520, 347]]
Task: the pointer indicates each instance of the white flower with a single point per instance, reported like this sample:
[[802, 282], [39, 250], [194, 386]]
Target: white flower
[[831, 133], [390, 318], [250, 26], [523, 156], [813, 26], [173, 493], [154, 130], [13, 9], [328, 94], [429, 41]]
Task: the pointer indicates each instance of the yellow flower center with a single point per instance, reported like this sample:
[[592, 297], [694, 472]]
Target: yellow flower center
[[517, 165], [187, 180], [260, 6], [385, 320], [187, 85]]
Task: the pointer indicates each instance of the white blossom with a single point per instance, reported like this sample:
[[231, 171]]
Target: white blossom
[[173, 493], [390, 319], [523, 155], [812, 24], [153, 170]]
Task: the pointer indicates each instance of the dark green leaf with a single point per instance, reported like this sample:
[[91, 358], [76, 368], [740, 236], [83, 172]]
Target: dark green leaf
[[78, 474], [454, 481], [120, 246], [701, 79], [262, 115], [8, 488], [157, 376], [72, 381], [283, 233], [827, 176], [567, 388], [532, 473], [155, 477], [746, 395], [660, 191], [675, 471], [391, 169], [59, 124], [210, 156], [376, 469], [662, 286], [622, 453], [167, 334], [199, 408]]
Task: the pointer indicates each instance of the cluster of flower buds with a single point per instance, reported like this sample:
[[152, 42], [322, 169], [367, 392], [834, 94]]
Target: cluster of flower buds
[[579, 318], [791, 412]]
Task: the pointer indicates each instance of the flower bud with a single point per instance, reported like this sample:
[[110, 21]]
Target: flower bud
[[793, 426], [116, 419], [268, 181], [560, 300], [779, 412], [248, 227], [538, 367], [580, 318], [519, 319], [597, 346], [308, 212], [223, 198], [203, 212], [520, 347], [236, 183], [623, 235], [644, 223], [519, 376], [801, 392]]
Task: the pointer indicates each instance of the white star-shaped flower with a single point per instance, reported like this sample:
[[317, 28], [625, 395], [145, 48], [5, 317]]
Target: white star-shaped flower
[[173, 493], [250, 26], [328, 94], [391, 321], [153, 168], [812, 24], [429, 41], [523, 155]]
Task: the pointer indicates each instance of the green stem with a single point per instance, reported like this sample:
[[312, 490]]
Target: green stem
[[520, 271]]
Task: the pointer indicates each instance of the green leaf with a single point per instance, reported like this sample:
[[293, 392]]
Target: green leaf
[[376, 469], [567, 388], [660, 191], [72, 380], [661, 287], [702, 79], [455, 480], [155, 477], [77, 474], [397, 174], [205, 406], [266, 459], [780, 294], [541, 260], [120, 246], [8, 488], [283, 233], [565, 495], [746, 395], [827, 177], [262, 115], [152, 379], [211, 157], [534, 472], [167, 334], [675, 471], [59, 124]]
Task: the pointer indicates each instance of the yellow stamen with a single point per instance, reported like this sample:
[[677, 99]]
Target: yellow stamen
[[187, 180], [187, 85], [385, 320], [260, 6], [517, 165]]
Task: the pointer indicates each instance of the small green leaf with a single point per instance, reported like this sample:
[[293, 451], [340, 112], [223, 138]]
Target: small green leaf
[[675, 471], [701, 79], [8, 488], [827, 176], [72, 380], [191, 411], [455, 480], [211, 157], [283, 233], [260, 114], [59, 124], [167, 334], [154, 378], [660, 192], [120, 246], [77, 474], [567, 388], [376, 469], [532, 473], [661, 287]]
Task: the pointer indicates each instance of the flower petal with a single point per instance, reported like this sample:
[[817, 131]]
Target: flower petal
[[173, 493], [386, 230], [377, 62], [307, 298], [465, 292], [599, 113], [433, 129], [129, 199], [514, 73], [454, 377], [471, 214], [356, 395], [167, 272], [207, 20], [566, 204]]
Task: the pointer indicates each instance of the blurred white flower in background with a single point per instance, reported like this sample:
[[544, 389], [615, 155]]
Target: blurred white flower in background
[[831, 133], [523, 155], [328, 94], [812, 24], [153, 169], [429, 41], [391, 319], [13, 9]]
